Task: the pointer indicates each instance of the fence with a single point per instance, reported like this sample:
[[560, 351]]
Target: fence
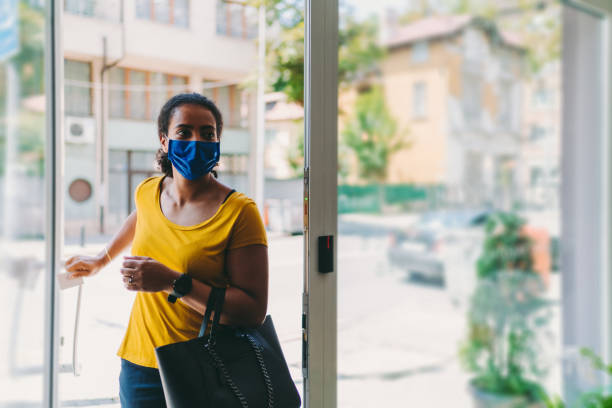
[[374, 198]]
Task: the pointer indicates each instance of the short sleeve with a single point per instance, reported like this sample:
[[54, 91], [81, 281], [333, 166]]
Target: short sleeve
[[148, 185], [248, 228]]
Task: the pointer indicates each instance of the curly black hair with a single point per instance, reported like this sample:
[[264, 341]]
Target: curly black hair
[[163, 121]]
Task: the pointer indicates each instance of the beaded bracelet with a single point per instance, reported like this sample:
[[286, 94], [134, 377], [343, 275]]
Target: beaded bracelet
[[107, 255]]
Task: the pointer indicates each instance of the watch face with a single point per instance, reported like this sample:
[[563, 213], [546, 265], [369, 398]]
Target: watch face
[[183, 284]]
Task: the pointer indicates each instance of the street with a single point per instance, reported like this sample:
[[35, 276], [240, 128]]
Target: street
[[398, 340]]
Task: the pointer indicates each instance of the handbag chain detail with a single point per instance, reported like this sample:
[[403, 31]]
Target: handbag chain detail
[[210, 348], [227, 367]]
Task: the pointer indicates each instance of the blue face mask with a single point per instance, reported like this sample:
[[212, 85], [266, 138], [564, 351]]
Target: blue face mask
[[193, 159]]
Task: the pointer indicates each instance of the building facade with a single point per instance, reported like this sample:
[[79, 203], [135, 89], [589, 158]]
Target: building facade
[[455, 82], [541, 142]]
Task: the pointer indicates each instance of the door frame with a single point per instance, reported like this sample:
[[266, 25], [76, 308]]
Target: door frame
[[54, 156], [586, 188], [319, 318]]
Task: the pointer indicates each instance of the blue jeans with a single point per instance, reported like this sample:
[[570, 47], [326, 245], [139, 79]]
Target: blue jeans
[[140, 387]]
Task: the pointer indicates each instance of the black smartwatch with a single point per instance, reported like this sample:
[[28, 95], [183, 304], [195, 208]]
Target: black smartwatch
[[180, 287]]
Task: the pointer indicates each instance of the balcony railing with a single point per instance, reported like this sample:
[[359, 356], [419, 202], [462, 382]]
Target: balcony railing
[[109, 10]]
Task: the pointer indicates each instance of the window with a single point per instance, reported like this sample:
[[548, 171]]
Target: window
[[229, 101], [234, 163], [143, 8], [181, 13], [107, 10], [420, 51], [137, 94], [506, 104], [78, 90], [159, 92], [475, 45], [236, 20], [472, 97], [173, 12], [419, 100], [116, 93], [542, 97], [536, 176], [538, 133]]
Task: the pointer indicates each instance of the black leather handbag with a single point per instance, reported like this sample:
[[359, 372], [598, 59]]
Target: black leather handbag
[[228, 367]]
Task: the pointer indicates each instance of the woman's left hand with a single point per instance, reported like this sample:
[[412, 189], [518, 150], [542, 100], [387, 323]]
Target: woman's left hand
[[144, 274]]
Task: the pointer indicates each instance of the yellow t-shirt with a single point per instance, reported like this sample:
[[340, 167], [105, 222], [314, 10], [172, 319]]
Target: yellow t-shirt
[[198, 250]]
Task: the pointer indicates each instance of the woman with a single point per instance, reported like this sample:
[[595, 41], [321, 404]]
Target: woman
[[189, 232]]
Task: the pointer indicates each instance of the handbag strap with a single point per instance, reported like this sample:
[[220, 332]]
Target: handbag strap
[[219, 300], [215, 303]]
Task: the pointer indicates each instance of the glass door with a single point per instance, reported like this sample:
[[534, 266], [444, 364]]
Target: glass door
[[26, 232], [122, 61], [472, 208]]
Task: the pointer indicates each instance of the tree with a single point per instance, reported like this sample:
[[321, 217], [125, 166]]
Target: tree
[[358, 50], [29, 63], [295, 155], [372, 135]]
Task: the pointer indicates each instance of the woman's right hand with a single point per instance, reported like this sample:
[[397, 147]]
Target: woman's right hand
[[82, 265]]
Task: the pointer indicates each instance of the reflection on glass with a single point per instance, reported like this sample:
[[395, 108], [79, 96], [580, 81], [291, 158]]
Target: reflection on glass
[[449, 205], [22, 209], [105, 9], [78, 92], [121, 152], [137, 95]]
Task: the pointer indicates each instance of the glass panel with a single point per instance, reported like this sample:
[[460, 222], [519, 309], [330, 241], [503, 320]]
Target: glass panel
[[419, 99], [420, 51], [159, 92], [143, 9], [142, 161], [162, 10], [138, 94], [116, 92], [178, 85], [80, 7], [149, 76], [235, 102], [472, 98], [104, 9], [221, 20], [78, 89], [449, 204], [251, 15], [236, 19], [23, 236], [222, 99], [181, 13], [119, 206]]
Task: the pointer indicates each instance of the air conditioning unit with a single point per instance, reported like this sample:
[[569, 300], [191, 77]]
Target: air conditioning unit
[[79, 130]]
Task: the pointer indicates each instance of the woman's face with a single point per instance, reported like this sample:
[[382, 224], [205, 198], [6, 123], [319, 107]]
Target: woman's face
[[191, 123]]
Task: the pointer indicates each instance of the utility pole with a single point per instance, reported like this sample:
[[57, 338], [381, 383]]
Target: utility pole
[[257, 136], [102, 154], [258, 190]]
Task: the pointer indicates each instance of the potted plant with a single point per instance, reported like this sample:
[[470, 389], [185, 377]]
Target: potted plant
[[507, 320], [599, 397]]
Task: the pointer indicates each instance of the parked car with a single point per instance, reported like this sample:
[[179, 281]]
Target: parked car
[[437, 243]]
